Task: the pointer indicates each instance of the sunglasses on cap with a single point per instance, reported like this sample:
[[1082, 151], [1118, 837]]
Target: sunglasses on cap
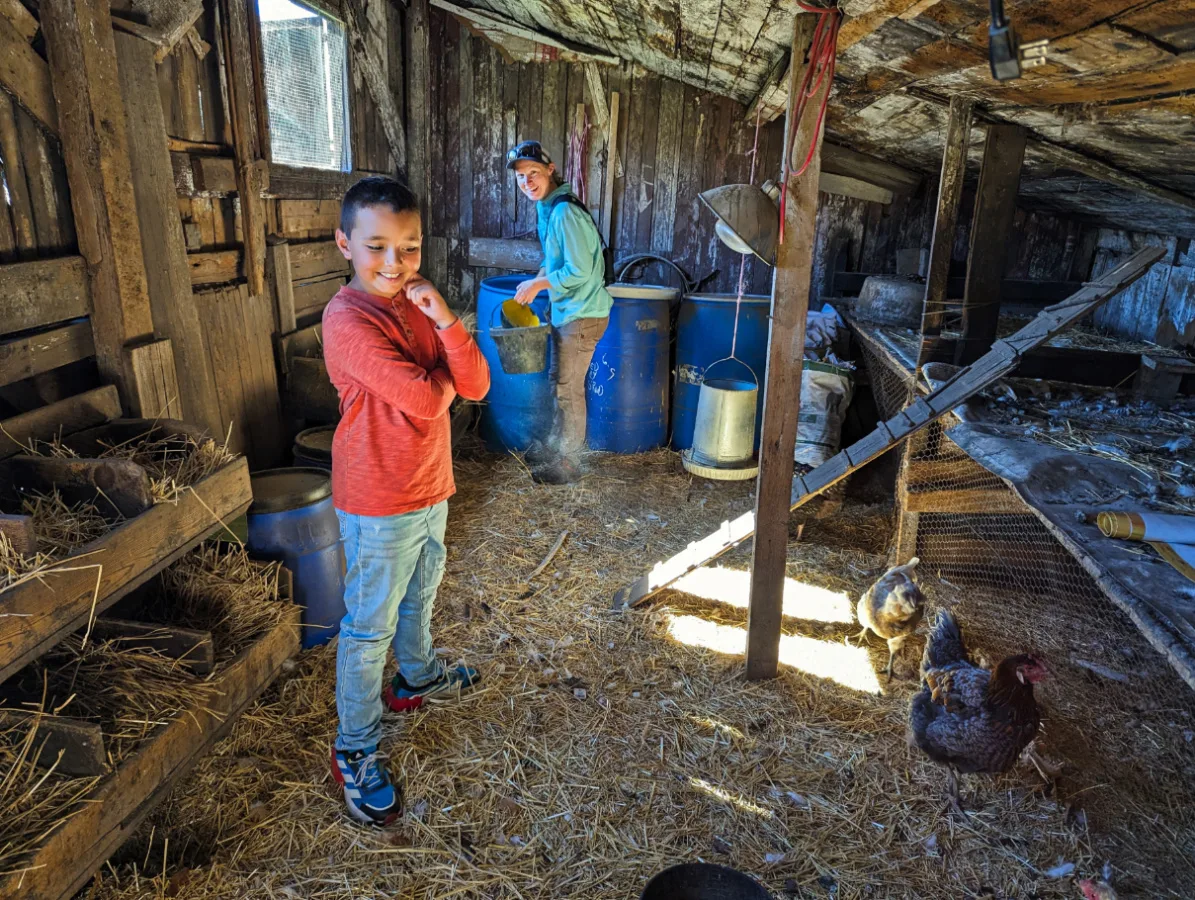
[[529, 150]]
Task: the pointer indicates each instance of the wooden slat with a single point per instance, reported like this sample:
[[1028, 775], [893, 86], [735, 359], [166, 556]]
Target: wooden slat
[[846, 186], [991, 232], [782, 379], [65, 861], [39, 613], [64, 417], [36, 294], [668, 157], [19, 204], [199, 175], [82, 55], [304, 342], [26, 76], [214, 266], [499, 253], [612, 163], [950, 197], [313, 294], [193, 395], [192, 648], [995, 364], [845, 161], [304, 217], [29, 355], [251, 169], [39, 161], [278, 273], [977, 501], [19, 18], [155, 378], [70, 746], [298, 183], [315, 259]]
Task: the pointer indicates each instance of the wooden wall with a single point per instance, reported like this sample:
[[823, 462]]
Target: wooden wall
[[1160, 307]]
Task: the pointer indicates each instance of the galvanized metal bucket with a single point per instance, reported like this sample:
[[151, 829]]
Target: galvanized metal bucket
[[724, 431]]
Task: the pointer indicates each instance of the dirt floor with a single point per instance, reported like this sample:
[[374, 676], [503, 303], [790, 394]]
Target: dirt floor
[[603, 747]]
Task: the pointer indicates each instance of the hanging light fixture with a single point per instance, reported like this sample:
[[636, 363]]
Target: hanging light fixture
[[748, 217]]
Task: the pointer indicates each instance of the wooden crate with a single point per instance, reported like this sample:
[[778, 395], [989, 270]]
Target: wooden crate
[[117, 806]]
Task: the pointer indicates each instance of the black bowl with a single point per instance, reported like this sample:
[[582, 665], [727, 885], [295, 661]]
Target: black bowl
[[703, 881]]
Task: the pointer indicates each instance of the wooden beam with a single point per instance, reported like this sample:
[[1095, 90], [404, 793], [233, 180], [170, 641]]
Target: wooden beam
[[846, 186], [44, 351], [75, 413], [168, 23], [782, 385], [298, 183], [612, 164], [70, 746], [215, 266], [252, 171], [19, 18], [418, 62], [82, 55], [200, 175], [43, 292], [950, 196], [20, 205], [490, 21], [505, 253], [966, 383], [367, 60], [991, 232], [26, 76], [841, 160], [278, 272], [168, 279]]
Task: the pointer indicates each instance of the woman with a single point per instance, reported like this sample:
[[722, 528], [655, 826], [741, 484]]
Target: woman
[[573, 274]]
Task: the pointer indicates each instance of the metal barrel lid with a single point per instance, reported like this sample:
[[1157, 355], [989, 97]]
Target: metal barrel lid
[[280, 490], [316, 441]]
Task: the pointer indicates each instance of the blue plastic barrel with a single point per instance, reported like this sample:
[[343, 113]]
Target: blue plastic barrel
[[626, 397], [518, 408], [704, 329], [292, 520], [313, 448]]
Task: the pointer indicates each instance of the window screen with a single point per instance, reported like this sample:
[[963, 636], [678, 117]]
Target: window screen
[[306, 86]]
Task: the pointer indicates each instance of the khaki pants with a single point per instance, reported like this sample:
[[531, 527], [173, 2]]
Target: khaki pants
[[572, 345]]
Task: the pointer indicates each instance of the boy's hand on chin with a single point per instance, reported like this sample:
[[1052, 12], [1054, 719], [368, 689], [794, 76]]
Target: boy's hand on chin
[[423, 294]]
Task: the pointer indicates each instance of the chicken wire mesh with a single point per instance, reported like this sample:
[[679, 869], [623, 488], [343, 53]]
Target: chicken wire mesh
[[1116, 714]]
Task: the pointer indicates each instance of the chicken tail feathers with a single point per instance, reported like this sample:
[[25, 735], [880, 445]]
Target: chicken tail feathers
[[945, 644]]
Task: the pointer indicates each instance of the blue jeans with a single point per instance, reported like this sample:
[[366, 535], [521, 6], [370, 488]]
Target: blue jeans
[[393, 567]]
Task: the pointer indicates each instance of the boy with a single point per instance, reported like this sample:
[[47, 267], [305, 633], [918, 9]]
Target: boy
[[397, 356]]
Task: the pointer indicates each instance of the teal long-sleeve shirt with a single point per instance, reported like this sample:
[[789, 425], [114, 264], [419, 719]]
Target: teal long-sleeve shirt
[[573, 261]]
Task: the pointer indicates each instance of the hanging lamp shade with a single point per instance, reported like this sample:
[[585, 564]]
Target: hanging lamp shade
[[748, 218]]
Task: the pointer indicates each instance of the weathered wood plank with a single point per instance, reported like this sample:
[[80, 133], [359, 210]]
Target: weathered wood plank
[[501, 253], [26, 76], [19, 203], [612, 149], [43, 292], [845, 186], [82, 55], [368, 61], [191, 647], [278, 273], [70, 746], [950, 197], [991, 234], [119, 488], [38, 162], [40, 612], [155, 378], [316, 259], [782, 381], [214, 266], [314, 294], [668, 157], [65, 862], [841, 160], [64, 417], [169, 277], [19, 18], [18, 530], [417, 55], [29, 355]]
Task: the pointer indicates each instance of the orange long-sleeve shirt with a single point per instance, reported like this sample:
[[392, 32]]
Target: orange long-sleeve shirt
[[396, 375]]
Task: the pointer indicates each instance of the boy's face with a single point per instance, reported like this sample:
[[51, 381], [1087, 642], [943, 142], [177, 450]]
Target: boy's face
[[385, 248], [534, 178]]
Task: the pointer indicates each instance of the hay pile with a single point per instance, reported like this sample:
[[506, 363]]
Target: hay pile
[[599, 749]]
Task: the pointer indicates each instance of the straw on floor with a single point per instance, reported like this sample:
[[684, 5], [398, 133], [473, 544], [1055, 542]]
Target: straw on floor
[[602, 747]]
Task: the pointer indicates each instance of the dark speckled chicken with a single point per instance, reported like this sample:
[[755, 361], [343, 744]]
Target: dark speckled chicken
[[892, 608]]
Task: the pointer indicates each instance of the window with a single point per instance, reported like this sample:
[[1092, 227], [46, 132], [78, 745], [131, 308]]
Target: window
[[306, 86]]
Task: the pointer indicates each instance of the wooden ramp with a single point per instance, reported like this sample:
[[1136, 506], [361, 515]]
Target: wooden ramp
[[1003, 358]]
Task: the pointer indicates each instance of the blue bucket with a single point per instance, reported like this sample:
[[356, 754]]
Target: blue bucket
[[292, 520]]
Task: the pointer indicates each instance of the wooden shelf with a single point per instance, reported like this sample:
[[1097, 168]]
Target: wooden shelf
[[38, 613], [118, 805]]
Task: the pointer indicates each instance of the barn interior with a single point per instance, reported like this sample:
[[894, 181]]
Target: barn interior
[[962, 314]]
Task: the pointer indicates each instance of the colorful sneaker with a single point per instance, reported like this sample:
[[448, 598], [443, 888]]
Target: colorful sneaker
[[370, 796], [403, 697]]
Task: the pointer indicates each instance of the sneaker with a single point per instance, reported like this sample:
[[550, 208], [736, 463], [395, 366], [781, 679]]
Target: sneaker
[[564, 471], [370, 796], [540, 454], [403, 697]]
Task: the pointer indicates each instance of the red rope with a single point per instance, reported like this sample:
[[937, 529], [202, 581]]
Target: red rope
[[823, 54]]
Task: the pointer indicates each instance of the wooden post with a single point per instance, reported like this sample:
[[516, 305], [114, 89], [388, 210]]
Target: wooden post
[[252, 172], [91, 122], [782, 387], [991, 228], [419, 157], [168, 273], [611, 170], [950, 196]]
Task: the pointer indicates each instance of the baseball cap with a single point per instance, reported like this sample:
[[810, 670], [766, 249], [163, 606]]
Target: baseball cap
[[531, 150]]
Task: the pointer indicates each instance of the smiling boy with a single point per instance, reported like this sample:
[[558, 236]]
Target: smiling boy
[[397, 356]]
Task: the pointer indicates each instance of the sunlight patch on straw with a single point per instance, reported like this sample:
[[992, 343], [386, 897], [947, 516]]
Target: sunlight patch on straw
[[801, 600]]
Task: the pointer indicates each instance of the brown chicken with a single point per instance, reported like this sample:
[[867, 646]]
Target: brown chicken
[[892, 608], [969, 718]]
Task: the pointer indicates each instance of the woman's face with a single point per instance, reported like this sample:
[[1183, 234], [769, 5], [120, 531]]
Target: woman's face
[[534, 178]]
